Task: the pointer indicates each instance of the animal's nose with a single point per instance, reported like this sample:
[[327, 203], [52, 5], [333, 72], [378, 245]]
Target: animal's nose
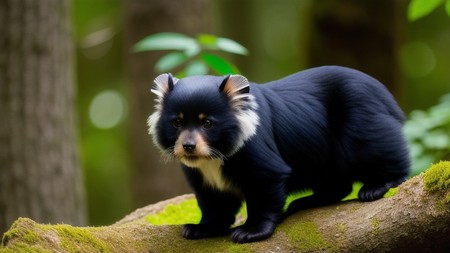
[[189, 147]]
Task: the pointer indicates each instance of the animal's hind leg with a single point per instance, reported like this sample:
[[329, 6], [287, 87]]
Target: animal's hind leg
[[321, 197], [387, 170], [385, 163], [371, 191]]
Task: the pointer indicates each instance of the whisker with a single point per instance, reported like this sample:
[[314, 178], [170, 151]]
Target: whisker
[[168, 154], [214, 153]]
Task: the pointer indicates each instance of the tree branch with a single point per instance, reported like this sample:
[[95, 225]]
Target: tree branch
[[415, 219]]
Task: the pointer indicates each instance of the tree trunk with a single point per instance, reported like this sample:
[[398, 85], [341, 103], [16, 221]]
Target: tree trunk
[[415, 220], [153, 180], [366, 35], [39, 172]]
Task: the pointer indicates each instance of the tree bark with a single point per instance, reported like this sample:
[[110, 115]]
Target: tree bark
[[415, 219], [154, 180], [39, 172]]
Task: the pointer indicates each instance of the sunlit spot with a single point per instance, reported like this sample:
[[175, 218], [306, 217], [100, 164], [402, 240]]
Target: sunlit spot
[[107, 109], [417, 59], [97, 44]]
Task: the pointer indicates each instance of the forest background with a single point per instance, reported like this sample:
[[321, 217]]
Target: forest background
[[121, 169]]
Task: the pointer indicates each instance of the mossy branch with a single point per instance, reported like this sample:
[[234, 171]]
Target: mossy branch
[[415, 219]]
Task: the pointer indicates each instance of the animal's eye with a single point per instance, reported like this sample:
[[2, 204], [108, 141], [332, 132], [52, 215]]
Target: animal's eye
[[207, 123], [176, 123]]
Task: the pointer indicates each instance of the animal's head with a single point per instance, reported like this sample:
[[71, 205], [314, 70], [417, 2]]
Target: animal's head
[[202, 117]]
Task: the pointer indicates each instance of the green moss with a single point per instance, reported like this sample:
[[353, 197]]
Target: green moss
[[341, 228], [223, 244], [174, 242], [437, 178], [391, 192], [22, 237], [239, 248], [28, 237], [186, 212], [295, 196], [189, 212], [75, 239], [23, 247], [354, 194], [376, 225], [306, 236], [173, 214]]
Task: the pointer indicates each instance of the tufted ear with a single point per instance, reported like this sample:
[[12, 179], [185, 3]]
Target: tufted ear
[[234, 85], [244, 104], [237, 88], [163, 84]]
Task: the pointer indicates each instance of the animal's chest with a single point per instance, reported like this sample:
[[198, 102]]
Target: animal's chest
[[213, 176]]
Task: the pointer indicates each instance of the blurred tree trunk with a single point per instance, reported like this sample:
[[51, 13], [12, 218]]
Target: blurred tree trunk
[[153, 180], [40, 176], [365, 35]]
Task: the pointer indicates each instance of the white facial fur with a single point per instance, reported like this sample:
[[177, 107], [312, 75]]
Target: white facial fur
[[243, 103], [245, 106]]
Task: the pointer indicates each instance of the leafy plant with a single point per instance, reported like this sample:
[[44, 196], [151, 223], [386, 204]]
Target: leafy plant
[[194, 56], [428, 134], [421, 8]]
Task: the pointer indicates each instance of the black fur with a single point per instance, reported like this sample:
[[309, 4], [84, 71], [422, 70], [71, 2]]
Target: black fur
[[319, 129]]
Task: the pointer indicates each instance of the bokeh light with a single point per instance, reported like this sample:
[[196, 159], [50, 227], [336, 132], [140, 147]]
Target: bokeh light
[[107, 109], [417, 59]]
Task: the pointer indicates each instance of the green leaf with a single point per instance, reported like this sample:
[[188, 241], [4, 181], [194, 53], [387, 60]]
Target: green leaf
[[208, 41], [218, 64], [195, 68], [213, 42], [168, 41], [420, 8], [181, 74], [414, 130], [437, 139], [416, 149], [231, 46], [447, 7], [170, 61]]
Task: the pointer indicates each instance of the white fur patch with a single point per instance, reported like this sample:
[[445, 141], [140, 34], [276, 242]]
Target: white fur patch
[[244, 106], [211, 171], [248, 120], [152, 121], [160, 88]]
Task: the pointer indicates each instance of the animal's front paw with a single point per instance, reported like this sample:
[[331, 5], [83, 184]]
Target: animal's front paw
[[197, 231], [246, 233]]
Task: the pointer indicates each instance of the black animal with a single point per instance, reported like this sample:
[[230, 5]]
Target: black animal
[[319, 129]]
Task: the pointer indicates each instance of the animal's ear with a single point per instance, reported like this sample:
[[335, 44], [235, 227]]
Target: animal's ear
[[163, 84], [234, 85]]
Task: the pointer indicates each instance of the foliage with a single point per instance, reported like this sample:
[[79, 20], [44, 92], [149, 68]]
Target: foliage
[[192, 53], [428, 134], [428, 131], [420, 8]]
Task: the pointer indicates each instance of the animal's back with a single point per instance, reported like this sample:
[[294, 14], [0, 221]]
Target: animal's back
[[328, 83], [333, 124]]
